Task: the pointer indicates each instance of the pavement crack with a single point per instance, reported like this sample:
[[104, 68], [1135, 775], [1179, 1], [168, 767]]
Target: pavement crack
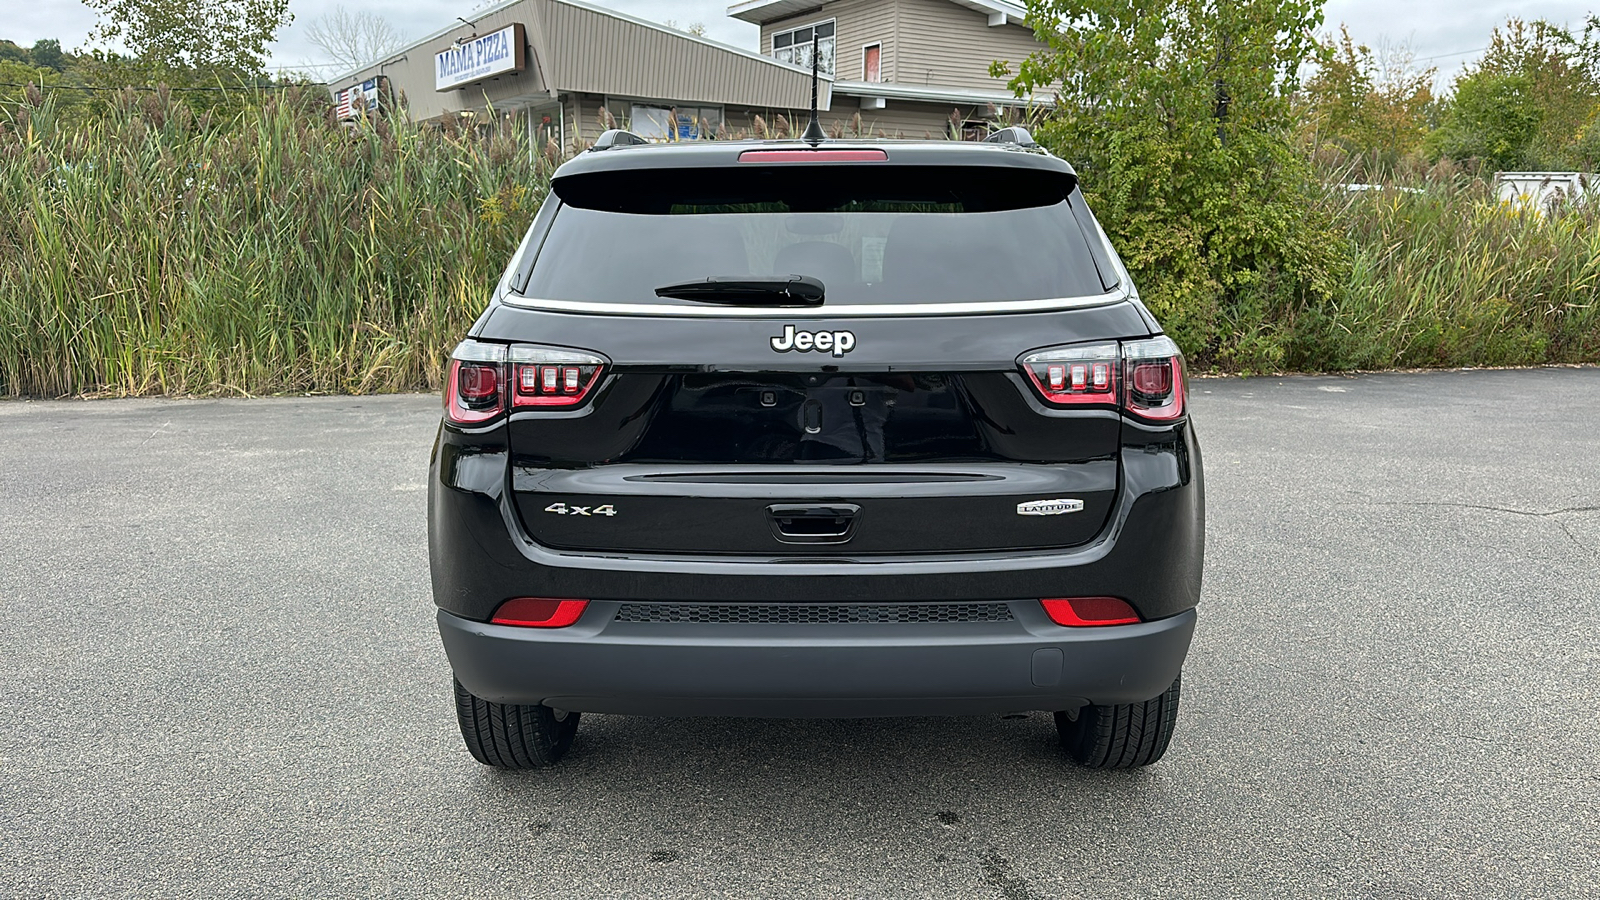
[[1505, 509], [1574, 538], [156, 432], [1529, 513]]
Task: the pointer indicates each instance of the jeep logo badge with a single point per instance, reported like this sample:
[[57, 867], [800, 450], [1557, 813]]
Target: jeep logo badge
[[836, 342], [1049, 507]]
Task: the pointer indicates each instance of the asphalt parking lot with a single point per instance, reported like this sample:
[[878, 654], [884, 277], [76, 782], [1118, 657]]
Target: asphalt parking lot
[[223, 679]]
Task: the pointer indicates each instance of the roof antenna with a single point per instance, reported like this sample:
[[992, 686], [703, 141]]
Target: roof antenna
[[814, 134]]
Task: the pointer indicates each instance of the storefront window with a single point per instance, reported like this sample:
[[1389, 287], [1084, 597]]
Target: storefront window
[[657, 123]]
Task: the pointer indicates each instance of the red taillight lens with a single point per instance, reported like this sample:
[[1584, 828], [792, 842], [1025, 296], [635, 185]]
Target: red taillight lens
[[1145, 378], [554, 385], [1083, 375], [789, 156], [539, 612], [551, 376], [1152, 378], [480, 384], [486, 379], [1087, 611], [473, 393], [1155, 379]]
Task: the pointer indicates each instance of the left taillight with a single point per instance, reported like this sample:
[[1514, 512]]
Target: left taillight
[[487, 380], [475, 391], [552, 376]]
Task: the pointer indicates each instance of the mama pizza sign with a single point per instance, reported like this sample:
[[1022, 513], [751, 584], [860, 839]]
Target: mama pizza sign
[[497, 53]]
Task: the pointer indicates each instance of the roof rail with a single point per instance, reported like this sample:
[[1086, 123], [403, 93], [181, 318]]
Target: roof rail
[[1015, 134], [616, 137]]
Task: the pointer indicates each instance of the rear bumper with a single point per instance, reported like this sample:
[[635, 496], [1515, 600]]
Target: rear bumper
[[1150, 551], [862, 669]]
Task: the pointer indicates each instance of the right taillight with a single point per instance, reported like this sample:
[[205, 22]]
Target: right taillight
[[1144, 377], [1155, 384], [1076, 375]]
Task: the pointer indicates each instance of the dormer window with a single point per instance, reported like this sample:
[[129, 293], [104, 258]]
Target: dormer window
[[794, 46]]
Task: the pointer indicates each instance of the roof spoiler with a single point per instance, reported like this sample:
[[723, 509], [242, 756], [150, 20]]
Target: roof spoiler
[[616, 137], [1015, 134]]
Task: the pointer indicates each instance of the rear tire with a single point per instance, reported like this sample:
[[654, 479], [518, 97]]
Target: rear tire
[[1124, 736], [512, 736]]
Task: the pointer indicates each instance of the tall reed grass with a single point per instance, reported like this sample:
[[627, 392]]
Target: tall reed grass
[[1441, 274], [145, 250], [148, 251]]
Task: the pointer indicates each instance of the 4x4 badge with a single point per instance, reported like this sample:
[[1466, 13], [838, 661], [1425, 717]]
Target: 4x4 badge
[[1049, 507], [562, 509], [836, 342]]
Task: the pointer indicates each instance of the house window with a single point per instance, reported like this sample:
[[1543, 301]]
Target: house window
[[794, 46], [872, 63]]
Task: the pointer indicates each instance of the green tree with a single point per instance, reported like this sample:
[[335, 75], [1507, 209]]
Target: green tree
[[1494, 118], [1370, 106], [1587, 148], [17, 73], [188, 41], [48, 54], [1177, 115], [1528, 101], [45, 66], [45, 54]]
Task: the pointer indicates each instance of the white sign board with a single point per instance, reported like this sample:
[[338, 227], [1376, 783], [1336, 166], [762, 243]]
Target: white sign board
[[475, 59]]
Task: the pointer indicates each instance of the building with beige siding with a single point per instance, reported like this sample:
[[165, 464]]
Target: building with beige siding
[[566, 69], [908, 67]]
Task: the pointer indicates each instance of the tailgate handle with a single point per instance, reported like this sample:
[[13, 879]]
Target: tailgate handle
[[795, 523]]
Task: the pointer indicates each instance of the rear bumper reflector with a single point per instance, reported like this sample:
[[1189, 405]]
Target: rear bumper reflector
[[1089, 611], [539, 612]]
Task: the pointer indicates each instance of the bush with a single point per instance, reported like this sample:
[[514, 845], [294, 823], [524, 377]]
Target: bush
[[1178, 116]]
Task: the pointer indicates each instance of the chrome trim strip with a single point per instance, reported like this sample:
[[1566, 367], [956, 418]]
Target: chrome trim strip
[[821, 312]]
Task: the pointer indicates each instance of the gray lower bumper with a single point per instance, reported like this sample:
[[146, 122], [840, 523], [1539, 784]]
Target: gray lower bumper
[[863, 669]]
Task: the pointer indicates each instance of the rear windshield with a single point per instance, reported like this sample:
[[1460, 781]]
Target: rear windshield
[[870, 234]]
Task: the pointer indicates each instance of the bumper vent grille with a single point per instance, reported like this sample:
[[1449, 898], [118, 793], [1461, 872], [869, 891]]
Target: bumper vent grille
[[812, 613]]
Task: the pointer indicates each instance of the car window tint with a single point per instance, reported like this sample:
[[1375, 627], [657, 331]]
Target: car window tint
[[898, 240]]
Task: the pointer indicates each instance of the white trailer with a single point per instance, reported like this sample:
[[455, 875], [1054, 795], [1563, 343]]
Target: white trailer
[[1542, 190]]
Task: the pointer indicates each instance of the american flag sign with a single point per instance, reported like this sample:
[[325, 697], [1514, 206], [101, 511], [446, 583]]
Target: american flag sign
[[357, 99]]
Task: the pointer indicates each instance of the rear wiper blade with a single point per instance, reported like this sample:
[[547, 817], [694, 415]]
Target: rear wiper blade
[[748, 290]]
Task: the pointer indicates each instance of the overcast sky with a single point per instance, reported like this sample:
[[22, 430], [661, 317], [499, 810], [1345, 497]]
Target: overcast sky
[[1445, 33]]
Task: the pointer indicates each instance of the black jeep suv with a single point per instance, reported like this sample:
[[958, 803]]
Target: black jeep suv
[[816, 429]]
